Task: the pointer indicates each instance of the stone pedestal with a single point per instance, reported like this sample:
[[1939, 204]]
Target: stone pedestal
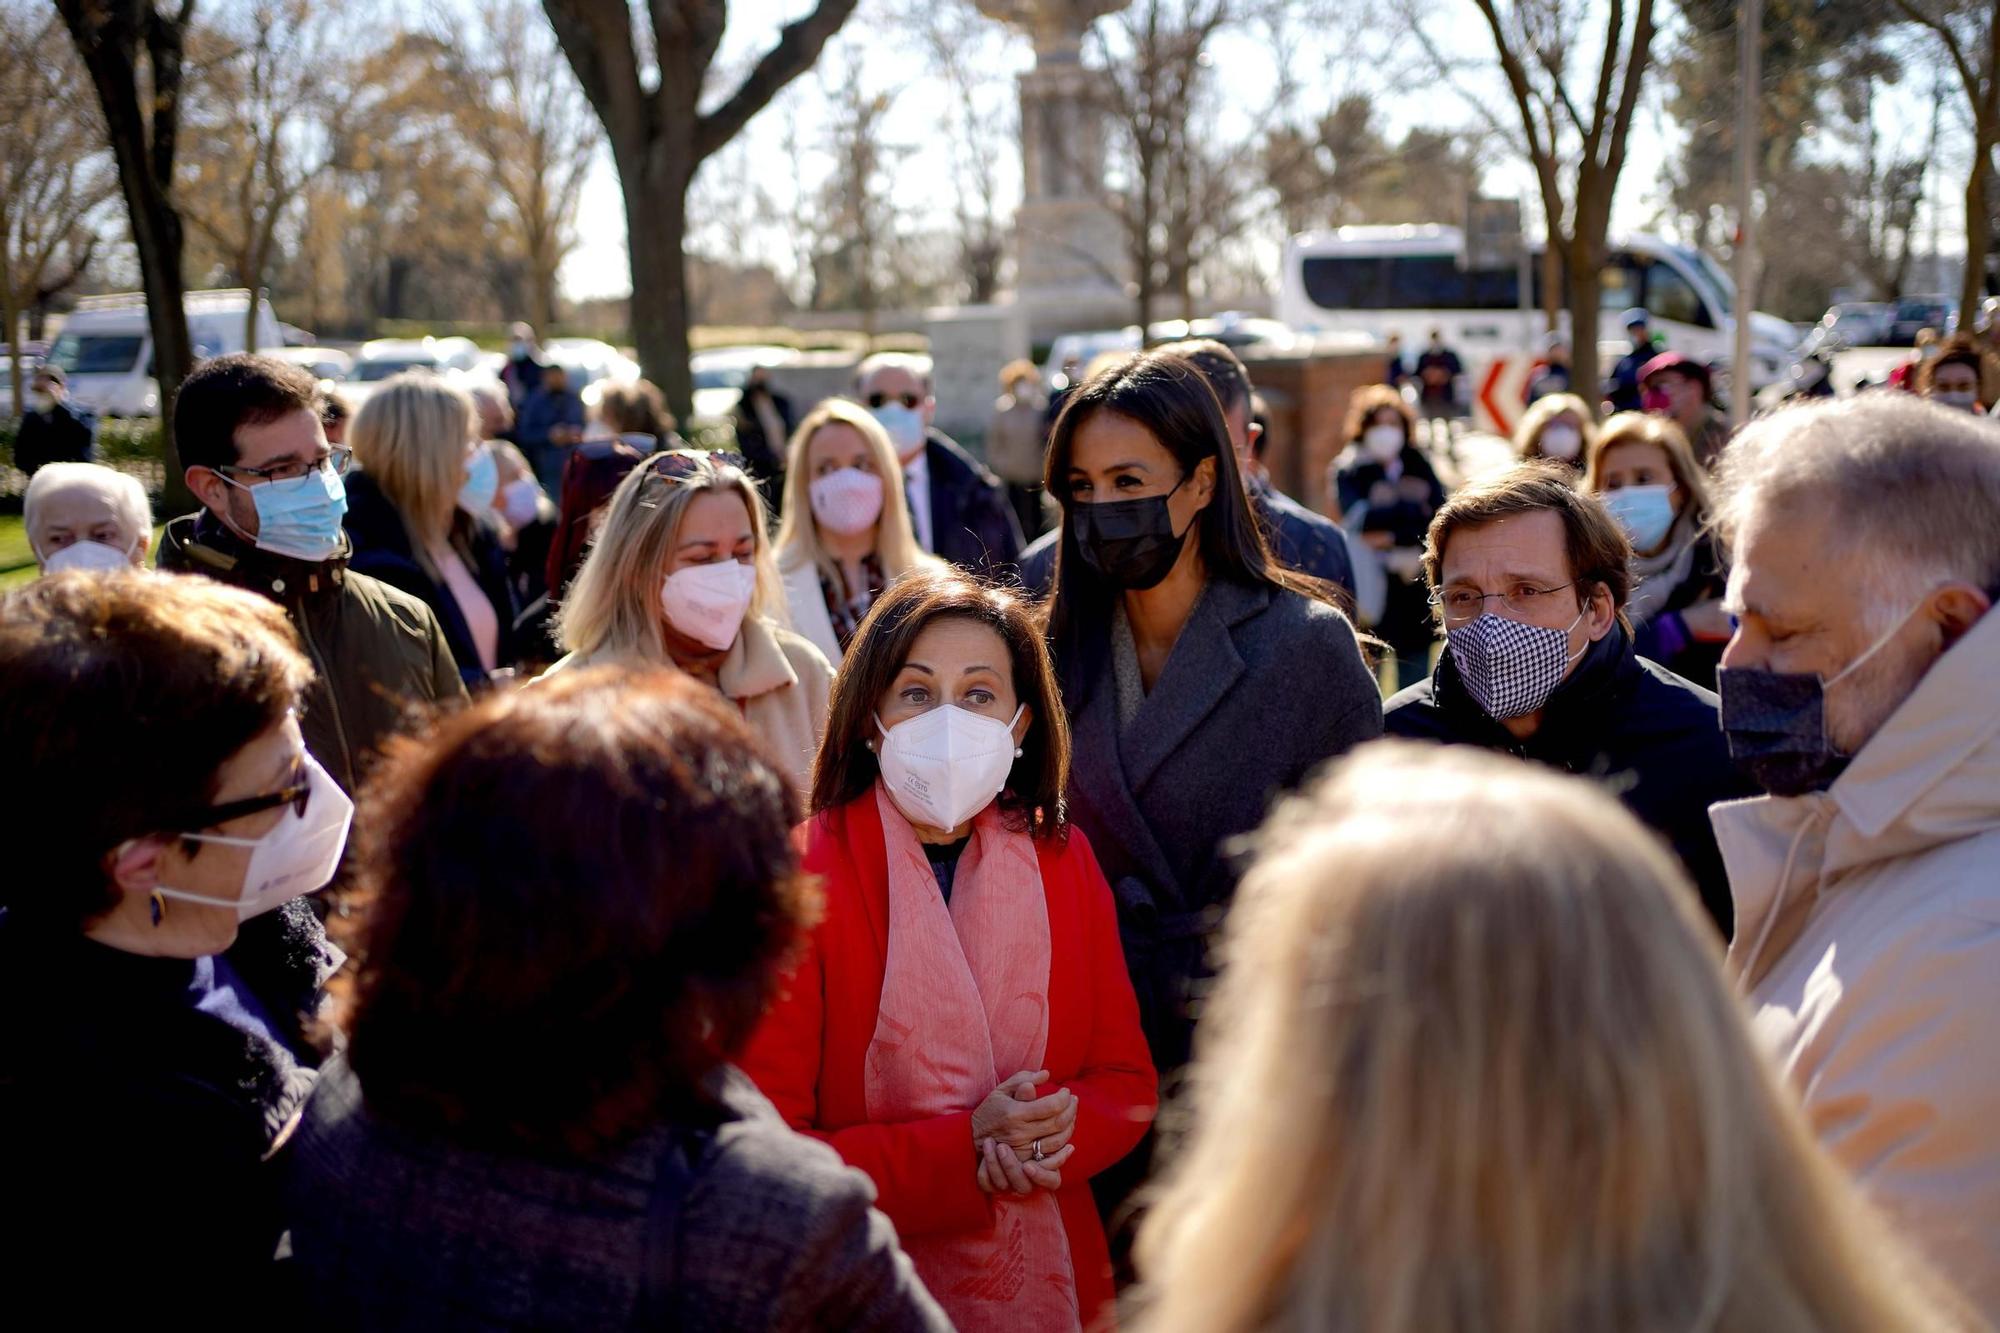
[[1070, 264], [969, 344]]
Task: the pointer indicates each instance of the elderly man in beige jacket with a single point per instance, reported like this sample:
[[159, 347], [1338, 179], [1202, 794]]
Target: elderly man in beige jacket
[[1862, 689]]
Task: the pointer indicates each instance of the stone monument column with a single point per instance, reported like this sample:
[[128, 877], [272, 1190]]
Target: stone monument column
[[1070, 265]]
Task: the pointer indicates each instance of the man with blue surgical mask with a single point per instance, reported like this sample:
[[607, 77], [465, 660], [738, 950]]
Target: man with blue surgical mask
[[1529, 579], [273, 496], [958, 509], [1859, 691]]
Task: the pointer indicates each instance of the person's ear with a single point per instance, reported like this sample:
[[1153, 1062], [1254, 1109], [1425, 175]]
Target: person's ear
[[134, 865], [1023, 722], [208, 487], [1603, 612], [1204, 481], [1956, 608]]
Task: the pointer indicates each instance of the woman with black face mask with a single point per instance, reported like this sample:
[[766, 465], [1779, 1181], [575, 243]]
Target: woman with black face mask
[[1201, 678]]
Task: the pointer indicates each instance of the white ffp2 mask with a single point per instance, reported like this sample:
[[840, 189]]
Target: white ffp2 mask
[[87, 555], [298, 856], [708, 602], [945, 766]]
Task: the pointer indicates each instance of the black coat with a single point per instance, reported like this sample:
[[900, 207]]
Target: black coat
[[143, 1183], [61, 435], [1654, 739], [972, 524], [1403, 508], [382, 550], [766, 457]]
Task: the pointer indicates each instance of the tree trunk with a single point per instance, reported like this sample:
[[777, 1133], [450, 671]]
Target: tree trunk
[[655, 190], [1583, 263], [1978, 231]]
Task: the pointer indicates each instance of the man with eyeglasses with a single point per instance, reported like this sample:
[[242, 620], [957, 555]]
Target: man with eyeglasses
[[958, 509], [251, 439], [1528, 580]]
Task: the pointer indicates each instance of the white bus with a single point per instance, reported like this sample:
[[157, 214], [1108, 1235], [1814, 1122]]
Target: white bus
[[1409, 280]]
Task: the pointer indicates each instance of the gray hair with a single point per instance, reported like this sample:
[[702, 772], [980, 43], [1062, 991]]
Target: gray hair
[[919, 366], [121, 491], [1914, 486]]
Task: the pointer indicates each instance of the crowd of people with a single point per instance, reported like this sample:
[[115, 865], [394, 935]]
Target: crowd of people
[[507, 869]]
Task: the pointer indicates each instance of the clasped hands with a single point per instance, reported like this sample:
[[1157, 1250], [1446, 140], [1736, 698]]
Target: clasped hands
[[1012, 1124]]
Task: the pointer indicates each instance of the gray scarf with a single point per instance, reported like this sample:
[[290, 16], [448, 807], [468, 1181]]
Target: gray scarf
[[1654, 577]]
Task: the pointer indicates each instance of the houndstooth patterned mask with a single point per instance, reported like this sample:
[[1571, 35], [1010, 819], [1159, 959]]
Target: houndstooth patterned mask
[[1509, 668]]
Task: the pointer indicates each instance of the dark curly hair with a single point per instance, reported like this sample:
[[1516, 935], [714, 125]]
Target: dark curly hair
[[583, 895]]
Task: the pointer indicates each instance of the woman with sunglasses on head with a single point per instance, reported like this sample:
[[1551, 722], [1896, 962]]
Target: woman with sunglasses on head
[[420, 515], [1201, 677], [680, 574], [961, 1026], [148, 1075], [844, 534]]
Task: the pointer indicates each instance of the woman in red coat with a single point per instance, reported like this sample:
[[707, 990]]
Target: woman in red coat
[[962, 1027]]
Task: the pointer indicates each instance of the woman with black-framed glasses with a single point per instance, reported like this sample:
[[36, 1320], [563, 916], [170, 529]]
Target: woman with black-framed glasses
[[681, 574], [151, 1068]]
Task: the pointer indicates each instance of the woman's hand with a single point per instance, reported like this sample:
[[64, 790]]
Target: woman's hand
[[1002, 1172], [1009, 1116]]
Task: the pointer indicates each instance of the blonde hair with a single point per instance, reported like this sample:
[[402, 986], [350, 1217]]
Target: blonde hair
[[798, 531], [411, 436], [1645, 428], [1528, 435], [613, 607], [1494, 1080]]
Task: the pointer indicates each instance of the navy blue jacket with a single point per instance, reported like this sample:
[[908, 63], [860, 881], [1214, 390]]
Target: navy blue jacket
[[972, 525], [1653, 738]]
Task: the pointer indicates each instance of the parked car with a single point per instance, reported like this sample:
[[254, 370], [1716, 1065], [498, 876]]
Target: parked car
[[591, 365], [721, 372], [325, 363], [1231, 328], [1917, 313], [1086, 347]]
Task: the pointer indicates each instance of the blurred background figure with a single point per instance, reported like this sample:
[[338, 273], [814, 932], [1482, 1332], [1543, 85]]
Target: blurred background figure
[[152, 764], [1552, 377], [420, 514], [83, 516], [1622, 391], [493, 414], [52, 431], [1438, 374], [1904, 376], [1497, 1082], [522, 374], [548, 422], [962, 1027], [844, 535], [334, 414], [1558, 427], [681, 574], [1387, 492], [1396, 369], [1682, 390], [584, 895], [763, 428], [1647, 476], [637, 414], [1952, 378], [1017, 438], [958, 509]]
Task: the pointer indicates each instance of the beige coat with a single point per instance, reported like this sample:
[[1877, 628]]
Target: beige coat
[[1877, 983], [779, 680]]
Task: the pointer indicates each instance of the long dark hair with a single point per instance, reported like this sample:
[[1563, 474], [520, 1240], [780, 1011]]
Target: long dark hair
[[1164, 392], [846, 768]]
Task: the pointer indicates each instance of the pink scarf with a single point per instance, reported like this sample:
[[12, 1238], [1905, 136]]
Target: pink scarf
[[965, 1000]]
